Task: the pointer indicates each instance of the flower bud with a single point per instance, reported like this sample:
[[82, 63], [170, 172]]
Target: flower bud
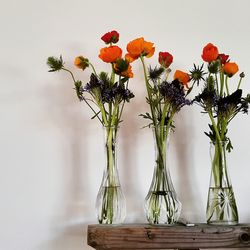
[[81, 62], [230, 69]]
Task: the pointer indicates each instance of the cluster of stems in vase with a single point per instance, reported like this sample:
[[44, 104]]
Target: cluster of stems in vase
[[107, 92], [107, 95], [222, 102], [165, 98]]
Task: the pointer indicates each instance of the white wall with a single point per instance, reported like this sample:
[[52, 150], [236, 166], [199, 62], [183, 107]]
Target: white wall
[[51, 157]]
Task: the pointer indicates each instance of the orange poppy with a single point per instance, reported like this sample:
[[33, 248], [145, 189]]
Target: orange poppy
[[110, 54], [139, 47], [128, 73], [230, 68], [81, 62], [182, 77], [123, 68]]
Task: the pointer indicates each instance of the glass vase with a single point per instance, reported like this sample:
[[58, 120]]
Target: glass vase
[[110, 202], [221, 204], [161, 203]]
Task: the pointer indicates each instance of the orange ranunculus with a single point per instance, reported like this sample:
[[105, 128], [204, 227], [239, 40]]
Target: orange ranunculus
[[81, 62], [122, 67], [182, 77], [110, 54], [128, 73], [139, 47], [230, 68], [210, 53]]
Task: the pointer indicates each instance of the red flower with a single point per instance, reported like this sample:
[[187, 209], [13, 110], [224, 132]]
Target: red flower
[[165, 59], [111, 37], [223, 58], [210, 53]]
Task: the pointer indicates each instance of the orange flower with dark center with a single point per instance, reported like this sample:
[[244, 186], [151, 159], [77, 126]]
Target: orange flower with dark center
[[230, 69], [139, 47], [81, 62], [210, 53], [123, 68], [128, 73], [110, 54], [182, 77]]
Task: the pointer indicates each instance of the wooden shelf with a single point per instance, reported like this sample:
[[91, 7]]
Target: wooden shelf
[[146, 236]]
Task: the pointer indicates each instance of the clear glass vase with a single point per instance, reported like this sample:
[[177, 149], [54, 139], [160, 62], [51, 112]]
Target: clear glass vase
[[221, 204], [110, 202], [161, 203]]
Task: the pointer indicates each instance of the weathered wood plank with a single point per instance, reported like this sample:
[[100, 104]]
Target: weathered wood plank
[[145, 236]]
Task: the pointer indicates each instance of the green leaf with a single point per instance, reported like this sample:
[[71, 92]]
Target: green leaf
[[229, 146]]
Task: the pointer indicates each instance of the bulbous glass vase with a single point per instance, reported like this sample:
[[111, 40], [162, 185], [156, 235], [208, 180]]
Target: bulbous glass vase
[[161, 203], [221, 204], [110, 201]]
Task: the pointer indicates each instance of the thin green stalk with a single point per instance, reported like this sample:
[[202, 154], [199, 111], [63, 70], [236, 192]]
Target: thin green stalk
[[217, 84], [227, 85], [221, 84], [72, 75], [93, 68], [239, 83], [218, 152], [148, 90]]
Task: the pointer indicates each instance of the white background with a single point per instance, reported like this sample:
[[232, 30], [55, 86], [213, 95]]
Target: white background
[[51, 153]]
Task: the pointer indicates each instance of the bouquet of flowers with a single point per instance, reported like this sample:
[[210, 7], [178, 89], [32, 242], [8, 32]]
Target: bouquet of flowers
[[222, 102], [165, 98], [107, 94]]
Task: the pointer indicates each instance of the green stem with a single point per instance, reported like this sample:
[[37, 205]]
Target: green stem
[[227, 85], [148, 91], [221, 83], [72, 75], [93, 68], [239, 83]]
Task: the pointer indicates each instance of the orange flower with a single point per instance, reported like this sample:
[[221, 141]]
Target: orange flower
[[210, 53], [110, 54], [182, 77], [128, 73], [123, 68], [139, 47], [230, 68], [81, 62]]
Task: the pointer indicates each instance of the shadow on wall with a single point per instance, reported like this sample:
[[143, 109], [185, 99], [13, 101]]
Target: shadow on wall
[[186, 178], [73, 127], [130, 135]]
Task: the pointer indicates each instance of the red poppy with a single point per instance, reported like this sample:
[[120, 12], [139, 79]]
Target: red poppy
[[165, 59], [223, 58], [111, 37], [210, 53]]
